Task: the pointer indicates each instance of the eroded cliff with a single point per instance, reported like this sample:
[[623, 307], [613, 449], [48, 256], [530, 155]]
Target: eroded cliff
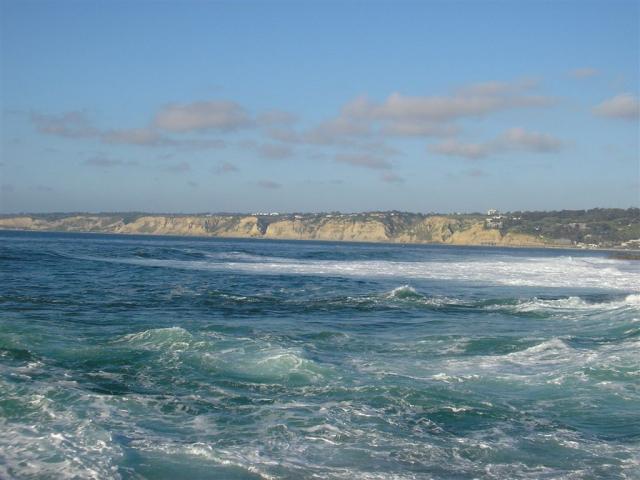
[[374, 227]]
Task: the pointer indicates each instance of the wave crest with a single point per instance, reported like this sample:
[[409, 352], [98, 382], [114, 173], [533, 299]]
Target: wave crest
[[404, 292], [158, 338], [576, 303]]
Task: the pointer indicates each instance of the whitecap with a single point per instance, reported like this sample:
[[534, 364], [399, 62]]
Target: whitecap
[[404, 291], [588, 272], [158, 338], [576, 304]]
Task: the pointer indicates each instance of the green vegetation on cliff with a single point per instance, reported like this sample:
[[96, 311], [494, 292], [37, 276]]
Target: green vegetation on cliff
[[601, 226]]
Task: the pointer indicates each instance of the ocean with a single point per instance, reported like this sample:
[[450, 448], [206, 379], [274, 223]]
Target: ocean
[[140, 357]]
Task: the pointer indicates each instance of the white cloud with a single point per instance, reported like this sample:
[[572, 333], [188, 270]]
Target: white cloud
[[75, 124], [361, 127], [222, 115], [624, 106], [179, 167], [585, 72], [514, 139], [198, 144], [363, 160], [405, 128], [469, 101], [275, 152], [107, 162], [269, 184], [472, 173], [454, 148], [390, 177], [530, 141], [276, 117], [407, 116], [270, 151], [135, 136], [339, 130], [225, 167], [475, 173]]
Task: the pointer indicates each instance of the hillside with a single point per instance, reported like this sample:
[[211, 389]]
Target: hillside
[[596, 228]]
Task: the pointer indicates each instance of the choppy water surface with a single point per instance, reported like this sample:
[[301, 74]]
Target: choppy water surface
[[134, 357]]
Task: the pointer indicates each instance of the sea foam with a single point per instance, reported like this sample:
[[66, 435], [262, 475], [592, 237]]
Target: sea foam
[[589, 272]]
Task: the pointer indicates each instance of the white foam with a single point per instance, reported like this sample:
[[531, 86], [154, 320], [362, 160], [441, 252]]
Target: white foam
[[589, 272], [56, 442], [401, 291], [262, 363], [159, 338], [632, 299], [577, 304], [551, 351]]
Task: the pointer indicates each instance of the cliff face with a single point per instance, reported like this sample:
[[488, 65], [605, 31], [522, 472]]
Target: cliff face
[[435, 229], [76, 223], [328, 229], [478, 235], [361, 228], [218, 226]]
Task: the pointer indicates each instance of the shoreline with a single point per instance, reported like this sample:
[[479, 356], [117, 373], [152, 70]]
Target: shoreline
[[368, 242]]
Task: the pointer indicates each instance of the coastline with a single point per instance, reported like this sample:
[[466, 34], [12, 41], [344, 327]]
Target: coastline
[[597, 229], [321, 241]]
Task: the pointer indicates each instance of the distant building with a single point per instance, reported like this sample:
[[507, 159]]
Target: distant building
[[492, 223], [491, 212]]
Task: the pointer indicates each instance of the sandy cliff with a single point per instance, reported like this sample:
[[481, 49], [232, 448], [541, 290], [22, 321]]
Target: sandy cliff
[[210, 225], [363, 228], [478, 235], [328, 229]]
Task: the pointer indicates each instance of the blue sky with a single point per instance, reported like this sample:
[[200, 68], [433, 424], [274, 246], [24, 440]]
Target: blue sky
[[316, 106]]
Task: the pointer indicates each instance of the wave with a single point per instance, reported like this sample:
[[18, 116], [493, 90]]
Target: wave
[[158, 338], [577, 304], [547, 364], [241, 358], [247, 257], [546, 272], [404, 292], [553, 350], [633, 299], [408, 297]]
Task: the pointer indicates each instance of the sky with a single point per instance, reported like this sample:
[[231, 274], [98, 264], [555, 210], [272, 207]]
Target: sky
[[309, 106]]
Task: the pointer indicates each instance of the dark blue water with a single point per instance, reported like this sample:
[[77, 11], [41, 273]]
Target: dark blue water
[[148, 357]]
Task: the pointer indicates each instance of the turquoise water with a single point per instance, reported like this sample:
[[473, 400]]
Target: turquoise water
[[149, 357]]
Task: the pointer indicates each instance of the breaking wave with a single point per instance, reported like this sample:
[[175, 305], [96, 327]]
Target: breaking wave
[[577, 304], [405, 291], [242, 359], [548, 272]]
